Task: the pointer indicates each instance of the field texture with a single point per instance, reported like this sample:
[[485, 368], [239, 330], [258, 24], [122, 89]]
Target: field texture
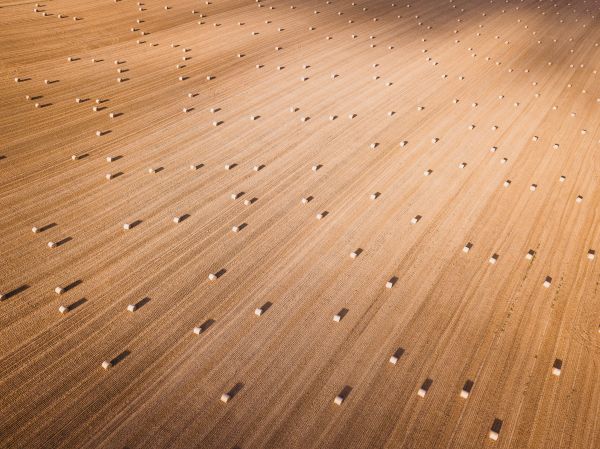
[[368, 224]]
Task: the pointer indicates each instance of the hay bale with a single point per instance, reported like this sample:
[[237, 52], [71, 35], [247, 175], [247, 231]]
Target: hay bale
[[466, 389], [557, 367], [530, 254], [107, 365], [494, 432], [424, 388]]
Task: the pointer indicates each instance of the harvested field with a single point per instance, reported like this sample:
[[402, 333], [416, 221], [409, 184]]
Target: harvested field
[[314, 224]]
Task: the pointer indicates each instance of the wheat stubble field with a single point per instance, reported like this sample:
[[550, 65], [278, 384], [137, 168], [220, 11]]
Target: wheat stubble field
[[300, 224]]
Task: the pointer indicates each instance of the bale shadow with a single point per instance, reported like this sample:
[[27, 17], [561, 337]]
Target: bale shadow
[[468, 386], [266, 306], [14, 292], [497, 425], [345, 392], [76, 304], [142, 302], [235, 390], [399, 352], [342, 313], [118, 359], [46, 227], [72, 285], [135, 223], [427, 384], [64, 241], [208, 323]]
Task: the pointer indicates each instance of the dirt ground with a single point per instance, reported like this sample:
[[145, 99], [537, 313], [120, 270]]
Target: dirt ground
[[442, 142]]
